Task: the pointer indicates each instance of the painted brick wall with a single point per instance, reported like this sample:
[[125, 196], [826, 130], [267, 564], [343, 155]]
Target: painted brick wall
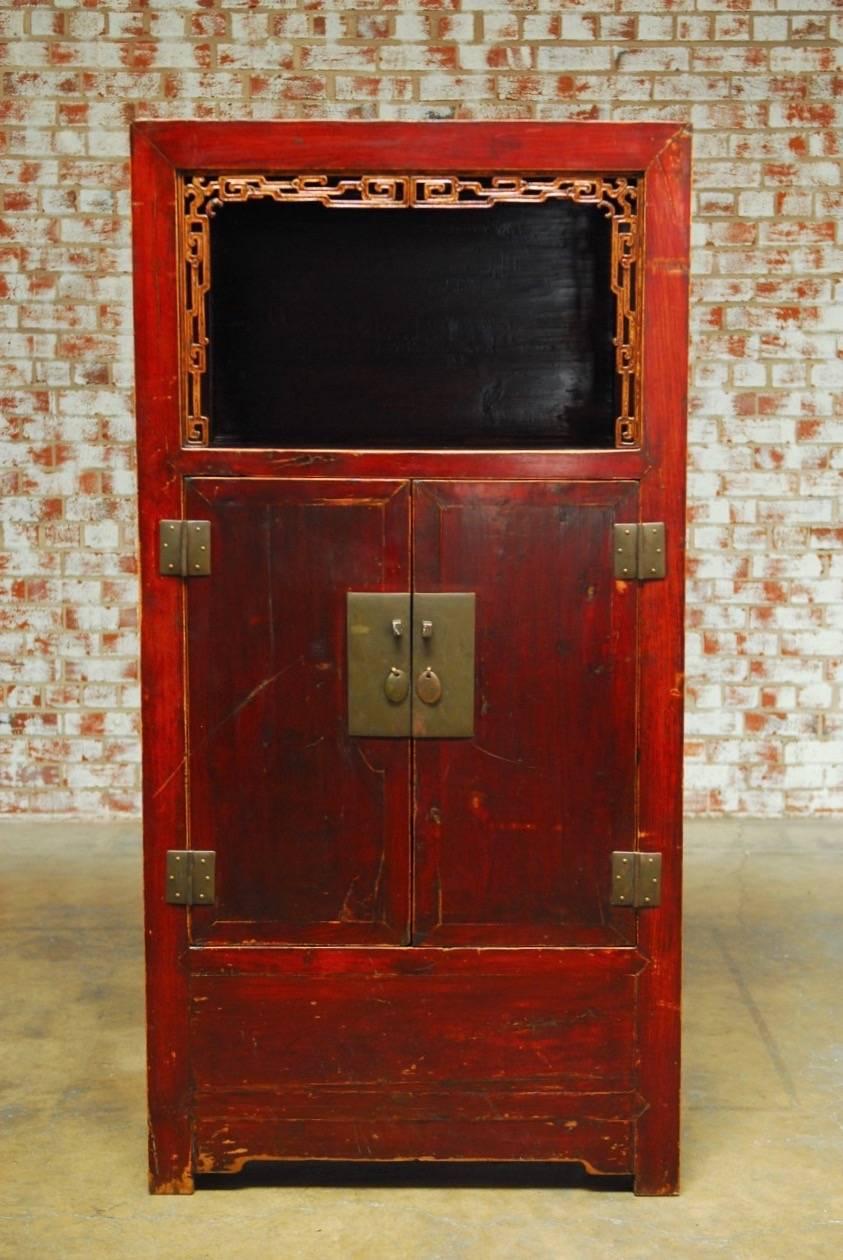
[[756, 80]]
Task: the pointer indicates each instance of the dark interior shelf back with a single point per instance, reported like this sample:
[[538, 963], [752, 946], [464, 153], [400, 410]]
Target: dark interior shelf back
[[488, 328]]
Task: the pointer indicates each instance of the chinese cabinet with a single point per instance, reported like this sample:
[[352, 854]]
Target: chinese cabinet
[[411, 412]]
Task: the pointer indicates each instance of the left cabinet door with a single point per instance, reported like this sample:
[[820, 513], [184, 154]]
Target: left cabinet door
[[310, 825]]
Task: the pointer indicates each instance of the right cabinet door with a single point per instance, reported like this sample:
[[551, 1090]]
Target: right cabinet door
[[515, 826]]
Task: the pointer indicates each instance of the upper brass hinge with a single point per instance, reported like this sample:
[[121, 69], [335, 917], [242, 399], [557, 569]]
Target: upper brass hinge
[[639, 551], [184, 548], [636, 880], [190, 877]]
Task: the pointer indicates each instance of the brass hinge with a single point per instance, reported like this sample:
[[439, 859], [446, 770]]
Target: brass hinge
[[639, 551], [636, 880], [184, 548], [190, 877]]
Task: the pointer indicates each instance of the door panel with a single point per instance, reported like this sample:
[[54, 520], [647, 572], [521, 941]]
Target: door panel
[[310, 826], [514, 827]]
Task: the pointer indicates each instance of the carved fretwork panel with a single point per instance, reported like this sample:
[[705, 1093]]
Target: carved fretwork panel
[[201, 196]]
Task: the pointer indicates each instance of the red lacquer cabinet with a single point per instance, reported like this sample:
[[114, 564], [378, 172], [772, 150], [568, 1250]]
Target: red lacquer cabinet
[[411, 415]]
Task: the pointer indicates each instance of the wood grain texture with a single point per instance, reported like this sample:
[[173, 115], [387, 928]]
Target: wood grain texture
[[662, 663], [573, 1029], [596, 1131], [162, 682], [514, 827], [607, 1015], [390, 147], [420, 1053], [613, 465], [310, 826]]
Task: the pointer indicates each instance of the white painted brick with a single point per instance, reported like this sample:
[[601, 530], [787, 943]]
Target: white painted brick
[[572, 57], [814, 752], [706, 696], [579, 26], [813, 643], [414, 28], [706, 776], [481, 57], [747, 374], [496, 26], [656, 27], [707, 723], [102, 536], [818, 696], [828, 375]]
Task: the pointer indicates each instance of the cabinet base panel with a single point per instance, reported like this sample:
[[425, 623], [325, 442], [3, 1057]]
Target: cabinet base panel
[[481, 1125]]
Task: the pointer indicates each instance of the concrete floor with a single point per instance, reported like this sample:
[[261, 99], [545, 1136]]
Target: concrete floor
[[763, 1130]]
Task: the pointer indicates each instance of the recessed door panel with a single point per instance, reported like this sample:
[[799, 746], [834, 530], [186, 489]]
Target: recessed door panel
[[310, 824], [514, 827]]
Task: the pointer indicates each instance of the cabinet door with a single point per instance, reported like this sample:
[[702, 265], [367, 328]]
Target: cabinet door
[[514, 827], [310, 826]]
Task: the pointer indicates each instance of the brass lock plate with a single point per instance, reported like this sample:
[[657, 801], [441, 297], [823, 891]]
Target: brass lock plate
[[443, 664], [379, 643]]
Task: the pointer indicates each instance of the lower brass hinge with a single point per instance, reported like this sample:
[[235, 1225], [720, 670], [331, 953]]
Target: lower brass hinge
[[639, 551], [184, 548], [190, 877], [636, 880]]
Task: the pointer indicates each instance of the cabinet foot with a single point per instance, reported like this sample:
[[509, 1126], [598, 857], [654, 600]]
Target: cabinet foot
[[650, 1185], [170, 1157], [171, 1185]]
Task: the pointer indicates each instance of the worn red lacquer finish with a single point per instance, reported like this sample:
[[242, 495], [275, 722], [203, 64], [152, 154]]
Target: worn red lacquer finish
[[501, 818], [412, 952], [326, 815]]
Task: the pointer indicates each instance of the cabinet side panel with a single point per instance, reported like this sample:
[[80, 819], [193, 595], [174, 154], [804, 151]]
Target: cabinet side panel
[[162, 682], [662, 605]]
